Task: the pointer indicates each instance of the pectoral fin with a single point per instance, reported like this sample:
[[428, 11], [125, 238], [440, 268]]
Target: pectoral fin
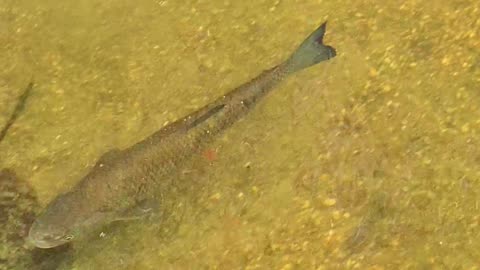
[[142, 209]]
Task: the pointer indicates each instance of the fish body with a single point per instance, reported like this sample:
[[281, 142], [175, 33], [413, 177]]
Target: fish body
[[123, 182]]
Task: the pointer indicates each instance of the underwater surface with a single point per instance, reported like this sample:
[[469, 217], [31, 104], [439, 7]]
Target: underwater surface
[[368, 161]]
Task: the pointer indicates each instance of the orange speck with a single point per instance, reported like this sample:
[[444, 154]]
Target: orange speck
[[210, 154]]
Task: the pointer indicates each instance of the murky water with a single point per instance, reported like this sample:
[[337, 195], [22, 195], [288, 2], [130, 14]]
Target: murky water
[[369, 161]]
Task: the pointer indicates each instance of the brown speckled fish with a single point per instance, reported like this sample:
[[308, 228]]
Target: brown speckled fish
[[123, 183]]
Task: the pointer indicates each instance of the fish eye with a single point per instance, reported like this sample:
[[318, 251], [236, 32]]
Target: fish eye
[[68, 237]]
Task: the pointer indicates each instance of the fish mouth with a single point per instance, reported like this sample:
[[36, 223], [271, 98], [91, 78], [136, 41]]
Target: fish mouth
[[44, 244], [43, 241]]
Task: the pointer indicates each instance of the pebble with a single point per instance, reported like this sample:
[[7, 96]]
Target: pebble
[[329, 202]]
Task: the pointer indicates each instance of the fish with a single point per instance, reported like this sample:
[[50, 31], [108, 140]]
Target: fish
[[125, 184]]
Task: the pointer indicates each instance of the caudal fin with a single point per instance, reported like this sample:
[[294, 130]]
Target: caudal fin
[[312, 51]]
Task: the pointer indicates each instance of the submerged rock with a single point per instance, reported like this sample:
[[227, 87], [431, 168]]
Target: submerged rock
[[18, 205], [17, 210]]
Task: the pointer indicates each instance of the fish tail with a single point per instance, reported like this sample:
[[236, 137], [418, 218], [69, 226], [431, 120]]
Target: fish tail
[[312, 51]]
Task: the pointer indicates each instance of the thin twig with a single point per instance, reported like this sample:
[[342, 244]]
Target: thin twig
[[18, 108]]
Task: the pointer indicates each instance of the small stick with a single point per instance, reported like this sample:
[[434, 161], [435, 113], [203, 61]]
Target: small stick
[[18, 109]]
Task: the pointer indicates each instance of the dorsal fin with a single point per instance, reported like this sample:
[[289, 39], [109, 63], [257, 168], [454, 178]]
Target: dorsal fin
[[108, 157], [205, 116]]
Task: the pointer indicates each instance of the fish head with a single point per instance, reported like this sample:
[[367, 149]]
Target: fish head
[[66, 218]]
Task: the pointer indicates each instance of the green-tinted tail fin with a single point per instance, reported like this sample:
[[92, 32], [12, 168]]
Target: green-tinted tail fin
[[311, 51]]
